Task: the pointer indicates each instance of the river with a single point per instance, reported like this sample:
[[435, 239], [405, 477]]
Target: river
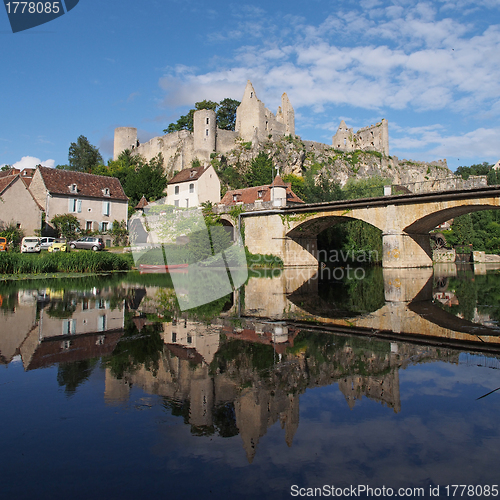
[[369, 383]]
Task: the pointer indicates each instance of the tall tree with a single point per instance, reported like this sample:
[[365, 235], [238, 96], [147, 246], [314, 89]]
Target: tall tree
[[225, 114], [82, 156]]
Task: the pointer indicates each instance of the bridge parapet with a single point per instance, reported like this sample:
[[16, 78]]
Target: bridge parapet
[[455, 183]]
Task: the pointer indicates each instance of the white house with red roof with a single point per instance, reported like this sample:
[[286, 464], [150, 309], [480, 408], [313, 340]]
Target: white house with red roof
[[193, 186]]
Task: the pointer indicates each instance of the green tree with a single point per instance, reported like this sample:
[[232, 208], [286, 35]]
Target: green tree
[[225, 114], [5, 168], [66, 225], [261, 171], [318, 185], [82, 156], [463, 229]]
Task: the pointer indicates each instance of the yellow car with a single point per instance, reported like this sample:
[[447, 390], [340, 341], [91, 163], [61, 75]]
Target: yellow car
[[59, 245]]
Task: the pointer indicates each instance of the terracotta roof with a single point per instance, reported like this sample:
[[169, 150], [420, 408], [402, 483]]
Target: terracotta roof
[[278, 182], [142, 203], [188, 174], [92, 186], [251, 194], [11, 171], [5, 182]]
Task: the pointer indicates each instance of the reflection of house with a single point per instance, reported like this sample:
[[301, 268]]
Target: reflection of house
[[193, 186], [84, 328], [447, 298], [17, 204], [193, 338], [278, 193], [95, 200]]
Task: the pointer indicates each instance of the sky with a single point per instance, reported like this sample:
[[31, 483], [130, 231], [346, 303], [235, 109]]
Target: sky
[[432, 69]]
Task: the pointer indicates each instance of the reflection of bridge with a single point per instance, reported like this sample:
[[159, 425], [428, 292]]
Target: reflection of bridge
[[405, 222], [408, 312]]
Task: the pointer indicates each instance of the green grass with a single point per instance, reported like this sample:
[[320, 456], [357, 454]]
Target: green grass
[[73, 262]]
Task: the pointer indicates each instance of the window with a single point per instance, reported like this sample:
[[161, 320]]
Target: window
[[100, 340], [176, 189], [88, 225], [208, 121], [189, 339], [193, 173], [69, 327], [74, 206], [176, 203], [187, 202], [101, 323], [73, 188], [261, 193], [235, 197], [105, 191], [174, 337], [106, 208], [206, 132], [191, 188], [104, 226]]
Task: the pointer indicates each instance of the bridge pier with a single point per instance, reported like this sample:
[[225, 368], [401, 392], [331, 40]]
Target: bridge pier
[[401, 250]]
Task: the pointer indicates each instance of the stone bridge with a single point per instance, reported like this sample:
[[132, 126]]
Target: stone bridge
[[405, 222]]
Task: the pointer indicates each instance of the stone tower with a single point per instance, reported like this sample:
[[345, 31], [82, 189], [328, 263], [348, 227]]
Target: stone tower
[[125, 138], [286, 115], [205, 133]]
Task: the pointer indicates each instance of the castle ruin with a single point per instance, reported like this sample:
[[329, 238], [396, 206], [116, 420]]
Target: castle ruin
[[255, 124]]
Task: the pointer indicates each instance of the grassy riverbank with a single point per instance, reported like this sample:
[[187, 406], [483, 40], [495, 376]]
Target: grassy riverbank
[[72, 262]]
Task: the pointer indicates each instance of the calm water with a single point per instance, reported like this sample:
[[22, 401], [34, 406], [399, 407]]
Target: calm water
[[295, 381]]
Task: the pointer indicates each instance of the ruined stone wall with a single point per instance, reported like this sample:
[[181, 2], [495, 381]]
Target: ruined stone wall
[[372, 138], [256, 124], [225, 140]]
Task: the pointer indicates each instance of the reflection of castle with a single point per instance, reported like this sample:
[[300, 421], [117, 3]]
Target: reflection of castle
[[253, 373]]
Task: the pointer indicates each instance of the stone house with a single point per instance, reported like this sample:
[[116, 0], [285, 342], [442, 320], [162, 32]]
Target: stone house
[[193, 186], [95, 200], [17, 204]]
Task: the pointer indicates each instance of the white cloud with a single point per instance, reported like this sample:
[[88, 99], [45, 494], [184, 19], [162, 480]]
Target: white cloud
[[32, 162]]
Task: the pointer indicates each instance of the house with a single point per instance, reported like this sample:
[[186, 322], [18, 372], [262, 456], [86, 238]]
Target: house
[[17, 204], [278, 193], [95, 200], [193, 186]]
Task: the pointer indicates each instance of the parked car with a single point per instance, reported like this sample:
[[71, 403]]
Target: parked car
[[88, 243], [46, 242], [3, 244], [59, 245], [30, 244]]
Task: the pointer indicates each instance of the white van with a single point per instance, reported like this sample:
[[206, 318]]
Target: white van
[[30, 244]]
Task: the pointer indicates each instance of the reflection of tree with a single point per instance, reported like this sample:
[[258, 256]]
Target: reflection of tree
[[71, 375], [61, 308], [241, 354], [353, 296], [134, 349]]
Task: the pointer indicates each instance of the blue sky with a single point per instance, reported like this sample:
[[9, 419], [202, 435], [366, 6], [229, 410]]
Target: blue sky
[[432, 69]]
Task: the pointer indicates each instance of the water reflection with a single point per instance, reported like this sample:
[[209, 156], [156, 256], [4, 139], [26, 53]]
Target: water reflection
[[240, 365]]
